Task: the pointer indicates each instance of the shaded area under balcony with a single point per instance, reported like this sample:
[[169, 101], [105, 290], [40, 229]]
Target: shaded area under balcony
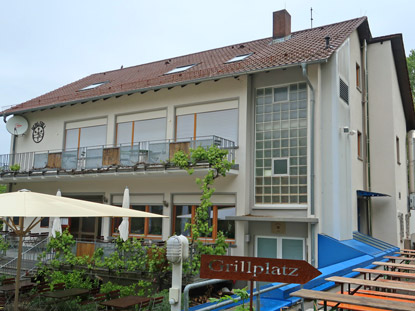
[[144, 157]]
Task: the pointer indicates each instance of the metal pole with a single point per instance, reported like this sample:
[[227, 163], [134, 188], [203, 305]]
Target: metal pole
[[258, 300], [19, 264]]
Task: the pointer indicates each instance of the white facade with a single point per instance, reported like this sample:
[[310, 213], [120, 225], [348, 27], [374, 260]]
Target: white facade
[[276, 212]]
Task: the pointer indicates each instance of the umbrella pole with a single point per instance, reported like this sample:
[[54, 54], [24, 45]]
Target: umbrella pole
[[19, 264]]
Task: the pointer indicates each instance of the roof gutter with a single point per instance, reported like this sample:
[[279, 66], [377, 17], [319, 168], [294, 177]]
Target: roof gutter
[[95, 98]]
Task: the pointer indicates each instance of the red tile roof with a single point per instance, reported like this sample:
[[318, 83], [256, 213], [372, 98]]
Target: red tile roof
[[304, 46]]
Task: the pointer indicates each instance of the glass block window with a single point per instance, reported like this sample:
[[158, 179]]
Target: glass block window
[[281, 145]]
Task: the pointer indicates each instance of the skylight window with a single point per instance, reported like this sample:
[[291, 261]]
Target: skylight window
[[92, 86], [180, 69], [238, 58]]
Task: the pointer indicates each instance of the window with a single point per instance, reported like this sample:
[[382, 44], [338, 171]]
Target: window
[[359, 145], [222, 123], [398, 155], [280, 167], [86, 136], [238, 58], [281, 145], [344, 91], [278, 247], [184, 214], [141, 131], [44, 223], [92, 86], [358, 76], [180, 69], [144, 227]]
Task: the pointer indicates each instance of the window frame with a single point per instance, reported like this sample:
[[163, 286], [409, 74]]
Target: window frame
[[398, 152], [273, 166], [279, 240], [133, 124], [359, 145], [195, 122], [116, 221], [214, 222], [358, 77]]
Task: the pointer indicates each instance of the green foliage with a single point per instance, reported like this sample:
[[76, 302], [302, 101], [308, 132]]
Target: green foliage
[[4, 245], [15, 167], [410, 60], [129, 256], [219, 166], [242, 293], [3, 188]]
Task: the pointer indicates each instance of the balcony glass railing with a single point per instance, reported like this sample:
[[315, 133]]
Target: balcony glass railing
[[95, 157]]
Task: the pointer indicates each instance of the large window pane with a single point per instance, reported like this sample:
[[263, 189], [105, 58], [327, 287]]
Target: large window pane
[[155, 224], [267, 247], [292, 249], [185, 126], [150, 130], [226, 226], [124, 133], [72, 137], [137, 224], [223, 123], [93, 136], [183, 216]]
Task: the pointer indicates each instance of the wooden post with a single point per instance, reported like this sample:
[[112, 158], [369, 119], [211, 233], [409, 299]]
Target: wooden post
[[251, 298], [20, 233]]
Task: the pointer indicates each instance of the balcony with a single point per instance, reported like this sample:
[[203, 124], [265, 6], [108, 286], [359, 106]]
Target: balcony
[[138, 157]]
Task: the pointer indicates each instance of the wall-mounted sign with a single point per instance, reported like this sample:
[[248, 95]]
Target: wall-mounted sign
[[257, 269], [38, 131]]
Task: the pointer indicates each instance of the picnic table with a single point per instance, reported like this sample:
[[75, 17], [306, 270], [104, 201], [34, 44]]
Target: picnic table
[[393, 274], [402, 258], [64, 294], [393, 285], [353, 302], [8, 289], [393, 266], [125, 302]]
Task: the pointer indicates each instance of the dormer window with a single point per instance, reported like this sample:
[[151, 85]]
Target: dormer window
[[180, 69], [238, 58], [92, 86]]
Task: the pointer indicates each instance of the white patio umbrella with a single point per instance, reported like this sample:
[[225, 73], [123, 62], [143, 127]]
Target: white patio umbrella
[[56, 226], [25, 203], [123, 228]]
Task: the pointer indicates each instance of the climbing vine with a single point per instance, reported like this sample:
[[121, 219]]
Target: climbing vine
[[218, 167]]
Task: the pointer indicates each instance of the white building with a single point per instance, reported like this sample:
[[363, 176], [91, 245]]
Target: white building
[[316, 121]]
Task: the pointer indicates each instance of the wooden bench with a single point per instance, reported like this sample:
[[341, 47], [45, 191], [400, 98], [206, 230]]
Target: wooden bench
[[408, 251], [393, 258], [385, 294], [374, 284], [405, 253], [394, 274], [399, 266], [353, 302]]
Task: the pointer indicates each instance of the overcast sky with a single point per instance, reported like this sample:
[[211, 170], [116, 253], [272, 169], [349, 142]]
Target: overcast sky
[[46, 44]]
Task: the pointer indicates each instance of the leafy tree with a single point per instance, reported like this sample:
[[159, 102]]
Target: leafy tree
[[411, 70], [3, 188]]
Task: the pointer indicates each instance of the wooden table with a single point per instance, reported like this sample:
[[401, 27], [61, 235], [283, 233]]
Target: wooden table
[[124, 302], [8, 289], [353, 300], [394, 274], [377, 284], [65, 293]]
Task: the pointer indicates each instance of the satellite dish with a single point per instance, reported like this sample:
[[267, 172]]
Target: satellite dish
[[17, 125]]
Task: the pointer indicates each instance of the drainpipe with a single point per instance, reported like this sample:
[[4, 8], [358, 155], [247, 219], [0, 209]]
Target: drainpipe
[[312, 210], [367, 135]]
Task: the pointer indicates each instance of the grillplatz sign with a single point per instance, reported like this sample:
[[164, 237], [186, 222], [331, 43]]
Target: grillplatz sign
[[257, 269]]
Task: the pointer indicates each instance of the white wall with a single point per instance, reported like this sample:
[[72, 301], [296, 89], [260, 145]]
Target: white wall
[[387, 122]]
